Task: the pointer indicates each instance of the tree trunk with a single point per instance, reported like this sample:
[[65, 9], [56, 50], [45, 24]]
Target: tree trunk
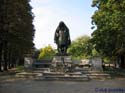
[[0, 56], [122, 61], [13, 60], [5, 56], [9, 57]]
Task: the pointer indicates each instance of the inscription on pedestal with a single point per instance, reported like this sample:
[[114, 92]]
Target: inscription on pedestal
[[65, 59]]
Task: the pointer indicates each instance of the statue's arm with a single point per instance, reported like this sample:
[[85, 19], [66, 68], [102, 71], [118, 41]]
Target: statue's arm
[[69, 40], [56, 36], [68, 34]]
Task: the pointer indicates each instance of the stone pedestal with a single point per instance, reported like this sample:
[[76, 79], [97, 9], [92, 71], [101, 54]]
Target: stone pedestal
[[61, 63], [28, 62], [66, 59], [97, 64]]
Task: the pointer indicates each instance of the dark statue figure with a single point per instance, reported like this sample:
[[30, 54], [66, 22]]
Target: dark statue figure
[[62, 38]]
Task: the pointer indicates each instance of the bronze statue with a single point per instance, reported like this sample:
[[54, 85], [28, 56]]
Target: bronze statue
[[62, 38]]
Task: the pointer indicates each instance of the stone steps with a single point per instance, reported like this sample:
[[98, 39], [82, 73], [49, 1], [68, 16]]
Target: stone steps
[[28, 75], [99, 76], [66, 78], [53, 76], [60, 76]]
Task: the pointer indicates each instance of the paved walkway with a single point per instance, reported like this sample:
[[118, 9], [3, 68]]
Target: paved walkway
[[33, 86], [10, 84]]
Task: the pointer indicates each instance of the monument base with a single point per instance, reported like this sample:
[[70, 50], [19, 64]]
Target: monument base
[[61, 63], [62, 54], [64, 76], [61, 70]]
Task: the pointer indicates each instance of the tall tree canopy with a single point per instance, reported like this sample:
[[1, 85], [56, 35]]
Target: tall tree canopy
[[109, 20], [16, 31]]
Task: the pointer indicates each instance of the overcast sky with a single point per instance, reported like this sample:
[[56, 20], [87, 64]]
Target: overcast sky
[[76, 14]]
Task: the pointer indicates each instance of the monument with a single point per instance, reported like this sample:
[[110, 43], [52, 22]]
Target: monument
[[62, 40], [61, 68]]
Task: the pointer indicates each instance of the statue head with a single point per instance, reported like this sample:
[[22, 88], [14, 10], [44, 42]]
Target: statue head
[[62, 25]]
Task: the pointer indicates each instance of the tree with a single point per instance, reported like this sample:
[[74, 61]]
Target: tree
[[81, 47], [16, 31], [36, 54], [46, 53], [109, 20]]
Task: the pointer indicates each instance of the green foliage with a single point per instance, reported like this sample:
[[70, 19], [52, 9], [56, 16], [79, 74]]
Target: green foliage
[[36, 53], [109, 20], [81, 47], [46, 53], [16, 30], [106, 59], [95, 53], [20, 68]]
